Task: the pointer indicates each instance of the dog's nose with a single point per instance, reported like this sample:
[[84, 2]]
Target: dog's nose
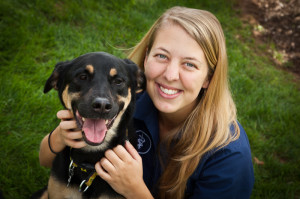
[[101, 105]]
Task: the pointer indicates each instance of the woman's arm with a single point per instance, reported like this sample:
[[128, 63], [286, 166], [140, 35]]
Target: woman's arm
[[122, 168], [65, 134], [46, 156]]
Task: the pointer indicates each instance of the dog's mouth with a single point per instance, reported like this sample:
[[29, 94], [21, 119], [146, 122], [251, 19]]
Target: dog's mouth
[[94, 130]]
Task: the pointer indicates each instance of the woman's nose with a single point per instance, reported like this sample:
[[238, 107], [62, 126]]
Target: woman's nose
[[171, 72]]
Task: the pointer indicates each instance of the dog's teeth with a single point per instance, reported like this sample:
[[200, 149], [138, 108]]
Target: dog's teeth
[[83, 119], [106, 121]]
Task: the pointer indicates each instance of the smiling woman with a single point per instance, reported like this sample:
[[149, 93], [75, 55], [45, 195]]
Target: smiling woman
[[197, 140], [174, 79]]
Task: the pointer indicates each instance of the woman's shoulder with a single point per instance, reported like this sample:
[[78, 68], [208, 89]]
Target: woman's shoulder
[[235, 157], [238, 149], [228, 169], [241, 144]]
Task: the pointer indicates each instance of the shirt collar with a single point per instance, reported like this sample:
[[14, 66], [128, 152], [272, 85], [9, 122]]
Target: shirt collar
[[147, 112]]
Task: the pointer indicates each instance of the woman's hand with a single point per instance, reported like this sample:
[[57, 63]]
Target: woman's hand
[[67, 130], [65, 134], [122, 168]]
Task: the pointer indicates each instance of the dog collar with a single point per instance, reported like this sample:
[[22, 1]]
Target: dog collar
[[87, 168]]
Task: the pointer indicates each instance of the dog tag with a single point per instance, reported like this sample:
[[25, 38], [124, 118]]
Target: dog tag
[[71, 172]]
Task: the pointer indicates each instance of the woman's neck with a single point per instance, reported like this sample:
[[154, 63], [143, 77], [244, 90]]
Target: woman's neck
[[170, 123]]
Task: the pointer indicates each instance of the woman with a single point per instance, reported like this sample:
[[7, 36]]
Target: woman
[[190, 143]]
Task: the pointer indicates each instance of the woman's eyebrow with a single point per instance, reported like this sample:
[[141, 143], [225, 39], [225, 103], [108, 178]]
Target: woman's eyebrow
[[193, 59], [163, 49]]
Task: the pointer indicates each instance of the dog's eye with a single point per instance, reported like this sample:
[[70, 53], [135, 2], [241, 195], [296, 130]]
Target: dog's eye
[[118, 81], [83, 77]]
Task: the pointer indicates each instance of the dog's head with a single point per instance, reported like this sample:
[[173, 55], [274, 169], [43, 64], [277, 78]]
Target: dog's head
[[97, 88]]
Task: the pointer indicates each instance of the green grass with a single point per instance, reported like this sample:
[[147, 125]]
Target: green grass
[[35, 35]]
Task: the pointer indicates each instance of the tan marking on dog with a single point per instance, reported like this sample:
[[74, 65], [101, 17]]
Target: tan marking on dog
[[126, 101], [113, 72], [90, 69], [45, 195], [58, 190], [68, 97]]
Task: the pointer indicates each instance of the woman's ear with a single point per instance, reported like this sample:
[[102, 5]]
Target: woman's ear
[[205, 84]]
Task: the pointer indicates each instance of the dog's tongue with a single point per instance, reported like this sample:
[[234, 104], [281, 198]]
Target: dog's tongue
[[94, 130]]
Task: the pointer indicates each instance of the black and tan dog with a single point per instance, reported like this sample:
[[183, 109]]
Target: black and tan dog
[[99, 89]]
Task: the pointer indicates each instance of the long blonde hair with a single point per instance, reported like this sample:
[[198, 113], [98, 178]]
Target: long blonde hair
[[208, 126]]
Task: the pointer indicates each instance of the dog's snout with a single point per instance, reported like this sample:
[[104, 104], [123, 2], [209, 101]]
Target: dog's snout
[[101, 105]]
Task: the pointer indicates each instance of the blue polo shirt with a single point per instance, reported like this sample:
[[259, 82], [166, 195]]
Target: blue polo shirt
[[225, 173]]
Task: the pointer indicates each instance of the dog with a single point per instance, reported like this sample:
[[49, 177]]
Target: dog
[[99, 89]]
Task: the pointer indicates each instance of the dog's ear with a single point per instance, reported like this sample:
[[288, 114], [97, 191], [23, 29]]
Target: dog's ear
[[52, 81], [140, 76], [141, 81]]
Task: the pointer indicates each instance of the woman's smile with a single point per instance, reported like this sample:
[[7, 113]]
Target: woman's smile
[[168, 92]]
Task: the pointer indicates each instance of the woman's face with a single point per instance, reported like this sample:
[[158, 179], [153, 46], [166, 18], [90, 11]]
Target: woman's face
[[176, 70]]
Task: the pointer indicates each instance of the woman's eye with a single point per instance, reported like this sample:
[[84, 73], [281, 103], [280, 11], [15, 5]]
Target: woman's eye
[[161, 56], [190, 65]]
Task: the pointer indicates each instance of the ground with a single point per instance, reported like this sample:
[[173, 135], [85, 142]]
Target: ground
[[276, 22]]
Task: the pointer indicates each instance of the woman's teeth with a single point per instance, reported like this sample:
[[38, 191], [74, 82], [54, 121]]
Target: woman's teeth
[[168, 91]]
